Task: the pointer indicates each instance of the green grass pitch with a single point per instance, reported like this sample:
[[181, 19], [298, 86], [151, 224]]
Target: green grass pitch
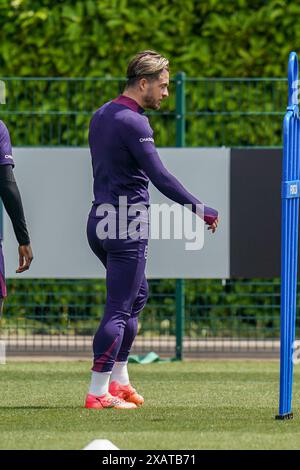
[[188, 405]]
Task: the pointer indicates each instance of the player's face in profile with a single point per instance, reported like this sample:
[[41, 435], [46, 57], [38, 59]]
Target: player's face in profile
[[156, 91]]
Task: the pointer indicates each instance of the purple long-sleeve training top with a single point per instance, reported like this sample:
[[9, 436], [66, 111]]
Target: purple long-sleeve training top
[[5, 146], [9, 192], [124, 159]]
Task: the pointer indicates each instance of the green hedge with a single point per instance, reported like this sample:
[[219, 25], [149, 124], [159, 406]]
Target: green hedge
[[96, 39], [88, 38], [73, 38]]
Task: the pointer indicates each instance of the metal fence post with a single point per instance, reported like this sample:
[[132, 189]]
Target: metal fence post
[[180, 142], [180, 313], [180, 109]]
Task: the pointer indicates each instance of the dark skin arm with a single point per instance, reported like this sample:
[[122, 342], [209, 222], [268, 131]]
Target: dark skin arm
[[11, 198], [25, 258]]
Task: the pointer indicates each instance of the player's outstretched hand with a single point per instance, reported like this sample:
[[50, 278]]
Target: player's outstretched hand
[[213, 226], [25, 258]]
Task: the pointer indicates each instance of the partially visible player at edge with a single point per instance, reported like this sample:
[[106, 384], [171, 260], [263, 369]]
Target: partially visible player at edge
[[9, 193], [124, 159]]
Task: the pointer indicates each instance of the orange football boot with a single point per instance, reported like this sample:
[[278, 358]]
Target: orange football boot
[[107, 401], [125, 392]]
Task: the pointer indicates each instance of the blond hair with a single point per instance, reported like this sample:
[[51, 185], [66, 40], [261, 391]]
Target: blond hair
[[145, 64]]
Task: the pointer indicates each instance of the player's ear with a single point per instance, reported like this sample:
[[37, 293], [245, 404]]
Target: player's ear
[[143, 84]]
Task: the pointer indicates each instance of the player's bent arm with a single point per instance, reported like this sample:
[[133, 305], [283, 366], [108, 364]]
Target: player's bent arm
[[171, 187], [141, 144], [11, 198]]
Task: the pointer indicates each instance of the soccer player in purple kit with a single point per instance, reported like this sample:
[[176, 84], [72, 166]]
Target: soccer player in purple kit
[[124, 159], [9, 193]]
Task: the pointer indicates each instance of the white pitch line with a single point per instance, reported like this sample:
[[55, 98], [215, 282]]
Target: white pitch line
[[101, 444]]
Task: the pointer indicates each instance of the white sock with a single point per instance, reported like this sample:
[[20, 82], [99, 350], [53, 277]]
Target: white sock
[[120, 373], [99, 383]]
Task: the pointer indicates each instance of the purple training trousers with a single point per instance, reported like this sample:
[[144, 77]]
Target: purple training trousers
[[126, 296]]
